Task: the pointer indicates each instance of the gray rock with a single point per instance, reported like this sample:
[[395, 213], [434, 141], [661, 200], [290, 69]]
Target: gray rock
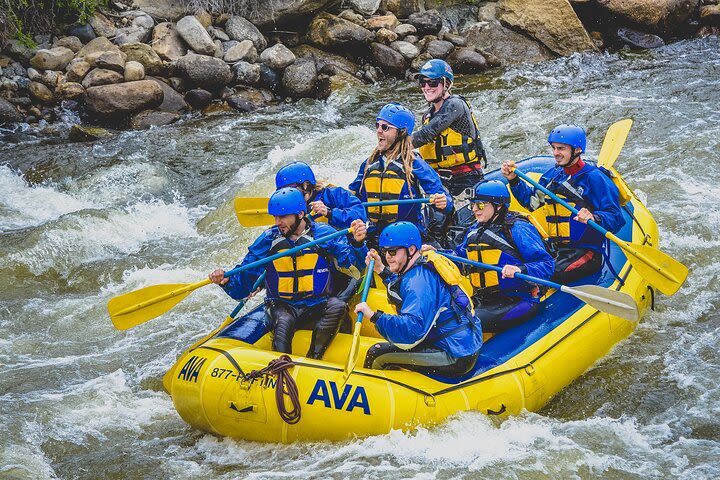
[[70, 91], [439, 48], [351, 16], [388, 59], [218, 34], [405, 29], [195, 35], [637, 39], [34, 75], [123, 98], [247, 99], [84, 32], [299, 79], [407, 50], [8, 112], [219, 52], [330, 31], [198, 98], [238, 28], [508, 46], [134, 71], [277, 57], [325, 59], [205, 71], [457, 40], [366, 7], [428, 22], [172, 100], [167, 42], [73, 43], [467, 60], [101, 76], [163, 10], [94, 48], [246, 73], [102, 26], [111, 60], [152, 118], [52, 59], [51, 78], [269, 78], [139, 29], [244, 50], [412, 39]]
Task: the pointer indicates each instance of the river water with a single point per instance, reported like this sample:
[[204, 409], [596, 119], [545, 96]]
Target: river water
[[83, 222]]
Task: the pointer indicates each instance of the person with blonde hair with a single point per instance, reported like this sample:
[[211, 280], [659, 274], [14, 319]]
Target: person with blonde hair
[[394, 171]]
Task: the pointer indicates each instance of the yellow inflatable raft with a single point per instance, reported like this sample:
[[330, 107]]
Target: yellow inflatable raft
[[519, 369]]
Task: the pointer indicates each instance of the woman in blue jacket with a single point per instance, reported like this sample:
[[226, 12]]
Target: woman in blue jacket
[[338, 206], [435, 331]]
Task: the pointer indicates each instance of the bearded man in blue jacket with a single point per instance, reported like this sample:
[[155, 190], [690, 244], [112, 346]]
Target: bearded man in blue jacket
[[578, 247]]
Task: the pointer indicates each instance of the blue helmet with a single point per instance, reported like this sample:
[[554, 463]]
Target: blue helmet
[[400, 234], [286, 201], [294, 173], [493, 191], [572, 135], [397, 116], [436, 68]]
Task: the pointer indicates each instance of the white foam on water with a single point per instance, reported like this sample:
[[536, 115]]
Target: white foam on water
[[25, 462], [86, 238], [23, 205]]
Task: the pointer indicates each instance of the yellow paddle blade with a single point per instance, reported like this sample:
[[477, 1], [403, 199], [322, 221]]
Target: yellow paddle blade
[[658, 268], [252, 211], [132, 309], [352, 358], [613, 143]]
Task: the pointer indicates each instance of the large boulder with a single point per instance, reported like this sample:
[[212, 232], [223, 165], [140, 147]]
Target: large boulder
[[205, 71], [267, 14], [41, 93], [330, 31], [144, 54], [324, 60], [507, 46], [240, 29], [277, 57], [53, 59], [439, 48], [8, 112], [167, 42], [123, 98], [406, 49], [102, 26], [101, 76], [428, 22], [195, 35], [172, 100], [94, 48], [300, 78], [467, 60], [658, 16], [552, 22], [388, 59]]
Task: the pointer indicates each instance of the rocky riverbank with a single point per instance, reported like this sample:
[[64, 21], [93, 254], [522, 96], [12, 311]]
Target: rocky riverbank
[[138, 63]]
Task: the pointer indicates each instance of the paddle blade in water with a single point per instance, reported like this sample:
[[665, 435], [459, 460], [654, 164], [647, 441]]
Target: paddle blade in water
[[619, 304], [139, 306]]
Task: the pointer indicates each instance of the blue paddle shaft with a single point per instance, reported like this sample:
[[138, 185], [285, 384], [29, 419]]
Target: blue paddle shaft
[[366, 287], [285, 253], [562, 202], [486, 266], [396, 202]]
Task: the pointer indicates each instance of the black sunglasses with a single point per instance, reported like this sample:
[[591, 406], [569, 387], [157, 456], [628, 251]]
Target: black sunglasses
[[431, 82], [389, 251], [383, 126]]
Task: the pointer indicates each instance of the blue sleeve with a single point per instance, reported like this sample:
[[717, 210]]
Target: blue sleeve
[[605, 197], [461, 250], [355, 185], [344, 207], [345, 254], [430, 181], [524, 192], [419, 293], [538, 262], [239, 286]]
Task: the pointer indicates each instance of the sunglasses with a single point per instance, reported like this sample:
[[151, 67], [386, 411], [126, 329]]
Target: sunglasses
[[389, 251], [383, 126], [430, 82], [480, 205]]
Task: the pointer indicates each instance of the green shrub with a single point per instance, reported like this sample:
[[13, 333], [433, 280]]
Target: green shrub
[[23, 18]]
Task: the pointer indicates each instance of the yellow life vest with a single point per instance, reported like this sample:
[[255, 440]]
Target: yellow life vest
[[451, 275], [452, 148], [380, 185], [491, 246], [302, 275]]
